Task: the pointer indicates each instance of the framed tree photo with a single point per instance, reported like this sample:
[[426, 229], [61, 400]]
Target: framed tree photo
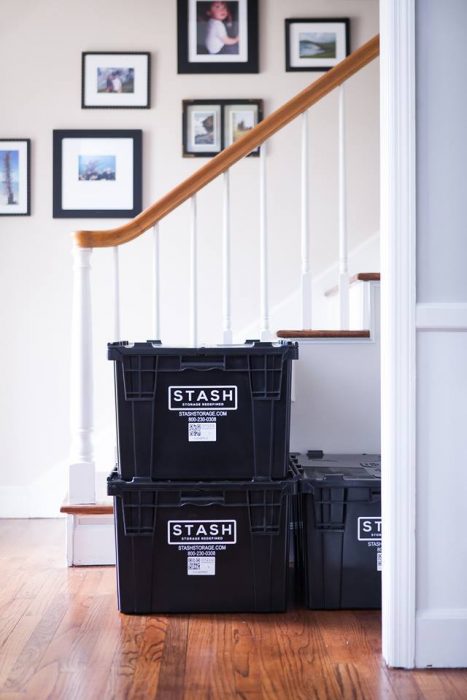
[[316, 44], [115, 80], [15, 192], [217, 37], [211, 125], [97, 174]]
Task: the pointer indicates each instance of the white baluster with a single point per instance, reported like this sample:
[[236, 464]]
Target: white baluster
[[343, 237], [226, 306], [194, 271], [116, 275], [82, 471], [265, 333], [305, 227], [156, 283]]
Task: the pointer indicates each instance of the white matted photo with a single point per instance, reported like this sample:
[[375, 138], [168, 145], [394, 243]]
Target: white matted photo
[[116, 80], [239, 119], [316, 44], [202, 132], [97, 173], [217, 37], [15, 177]]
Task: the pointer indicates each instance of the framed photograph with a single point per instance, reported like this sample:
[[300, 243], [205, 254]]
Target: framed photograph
[[316, 44], [202, 128], [239, 118], [15, 192], [116, 80], [217, 37], [211, 125], [97, 174]]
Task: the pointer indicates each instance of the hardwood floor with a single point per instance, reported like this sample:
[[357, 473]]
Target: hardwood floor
[[61, 637]]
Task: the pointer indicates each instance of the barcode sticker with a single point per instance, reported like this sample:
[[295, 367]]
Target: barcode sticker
[[201, 566], [202, 432], [379, 560]]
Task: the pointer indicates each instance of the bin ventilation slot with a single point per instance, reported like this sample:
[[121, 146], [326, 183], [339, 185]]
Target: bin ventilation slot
[[139, 512], [139, 377], [265, 511], [266, 376]]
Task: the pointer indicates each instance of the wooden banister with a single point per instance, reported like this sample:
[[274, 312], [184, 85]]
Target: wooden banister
[[229, 156]]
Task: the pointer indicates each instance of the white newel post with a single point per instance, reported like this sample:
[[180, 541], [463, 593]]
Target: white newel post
[[82, 470], [265, 333], [305, 227], [343, 237]]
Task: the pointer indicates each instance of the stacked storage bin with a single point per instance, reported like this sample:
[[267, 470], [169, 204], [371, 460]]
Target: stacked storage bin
[[338, 527], [202, 486]]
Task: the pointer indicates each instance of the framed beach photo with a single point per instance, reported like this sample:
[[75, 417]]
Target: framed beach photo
[[217, 37], [316, 44], [211, 125], [115, 80], [97, 174], [15, 166], [202, 128]]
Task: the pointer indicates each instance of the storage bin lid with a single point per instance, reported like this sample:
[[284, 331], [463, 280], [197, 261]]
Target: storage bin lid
[[337, 470], [285, 348]]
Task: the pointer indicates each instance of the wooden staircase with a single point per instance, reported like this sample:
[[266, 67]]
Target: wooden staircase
[[83, 508]]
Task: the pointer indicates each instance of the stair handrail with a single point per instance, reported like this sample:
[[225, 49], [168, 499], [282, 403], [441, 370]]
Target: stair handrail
[[233, 153]]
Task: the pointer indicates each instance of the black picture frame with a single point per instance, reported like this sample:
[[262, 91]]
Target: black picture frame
[[316, 55], [83, 157], [193, 23], [15, 177], [100, 70], [224, 118]]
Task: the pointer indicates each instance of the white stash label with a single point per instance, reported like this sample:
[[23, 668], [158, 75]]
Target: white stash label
[[201, 566], [202, 432]]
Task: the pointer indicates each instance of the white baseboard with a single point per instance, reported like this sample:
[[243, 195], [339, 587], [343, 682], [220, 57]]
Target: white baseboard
[[441, 638]]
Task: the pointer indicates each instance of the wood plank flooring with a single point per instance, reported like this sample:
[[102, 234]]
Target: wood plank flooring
[[61, 637]]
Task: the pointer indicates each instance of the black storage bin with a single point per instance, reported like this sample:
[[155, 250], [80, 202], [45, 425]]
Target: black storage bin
[[203, 413], [339, 534], [201, 546]]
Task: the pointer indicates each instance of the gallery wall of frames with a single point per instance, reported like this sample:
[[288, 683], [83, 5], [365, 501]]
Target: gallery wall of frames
[[97, 173]]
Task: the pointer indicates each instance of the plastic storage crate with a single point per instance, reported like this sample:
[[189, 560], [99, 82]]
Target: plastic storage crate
[[203, 413], [339, 533], [201, 547]]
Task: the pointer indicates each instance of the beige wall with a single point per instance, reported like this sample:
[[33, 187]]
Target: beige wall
[[40, 51]]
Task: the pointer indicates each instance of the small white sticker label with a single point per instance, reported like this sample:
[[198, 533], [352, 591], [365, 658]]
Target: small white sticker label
[[202, 432], [201, 566], [379, 560]]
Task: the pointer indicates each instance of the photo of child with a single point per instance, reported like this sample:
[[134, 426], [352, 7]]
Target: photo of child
[[217, 28]]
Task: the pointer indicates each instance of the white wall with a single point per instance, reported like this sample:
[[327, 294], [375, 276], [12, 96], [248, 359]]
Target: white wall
[[41, 41], [441, 637]]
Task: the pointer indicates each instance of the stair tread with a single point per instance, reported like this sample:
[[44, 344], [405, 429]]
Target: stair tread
[[322, 334], [359, 277], [87, 508]]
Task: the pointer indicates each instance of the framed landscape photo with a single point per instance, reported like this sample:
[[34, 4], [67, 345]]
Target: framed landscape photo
[[239, 118], [211, 125], [97, 174], [15, 191], [115, 80], [217, 37], [316, 44]]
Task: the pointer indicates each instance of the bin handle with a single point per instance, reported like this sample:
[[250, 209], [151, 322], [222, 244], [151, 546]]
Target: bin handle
[[202, 363], [190, 499]]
